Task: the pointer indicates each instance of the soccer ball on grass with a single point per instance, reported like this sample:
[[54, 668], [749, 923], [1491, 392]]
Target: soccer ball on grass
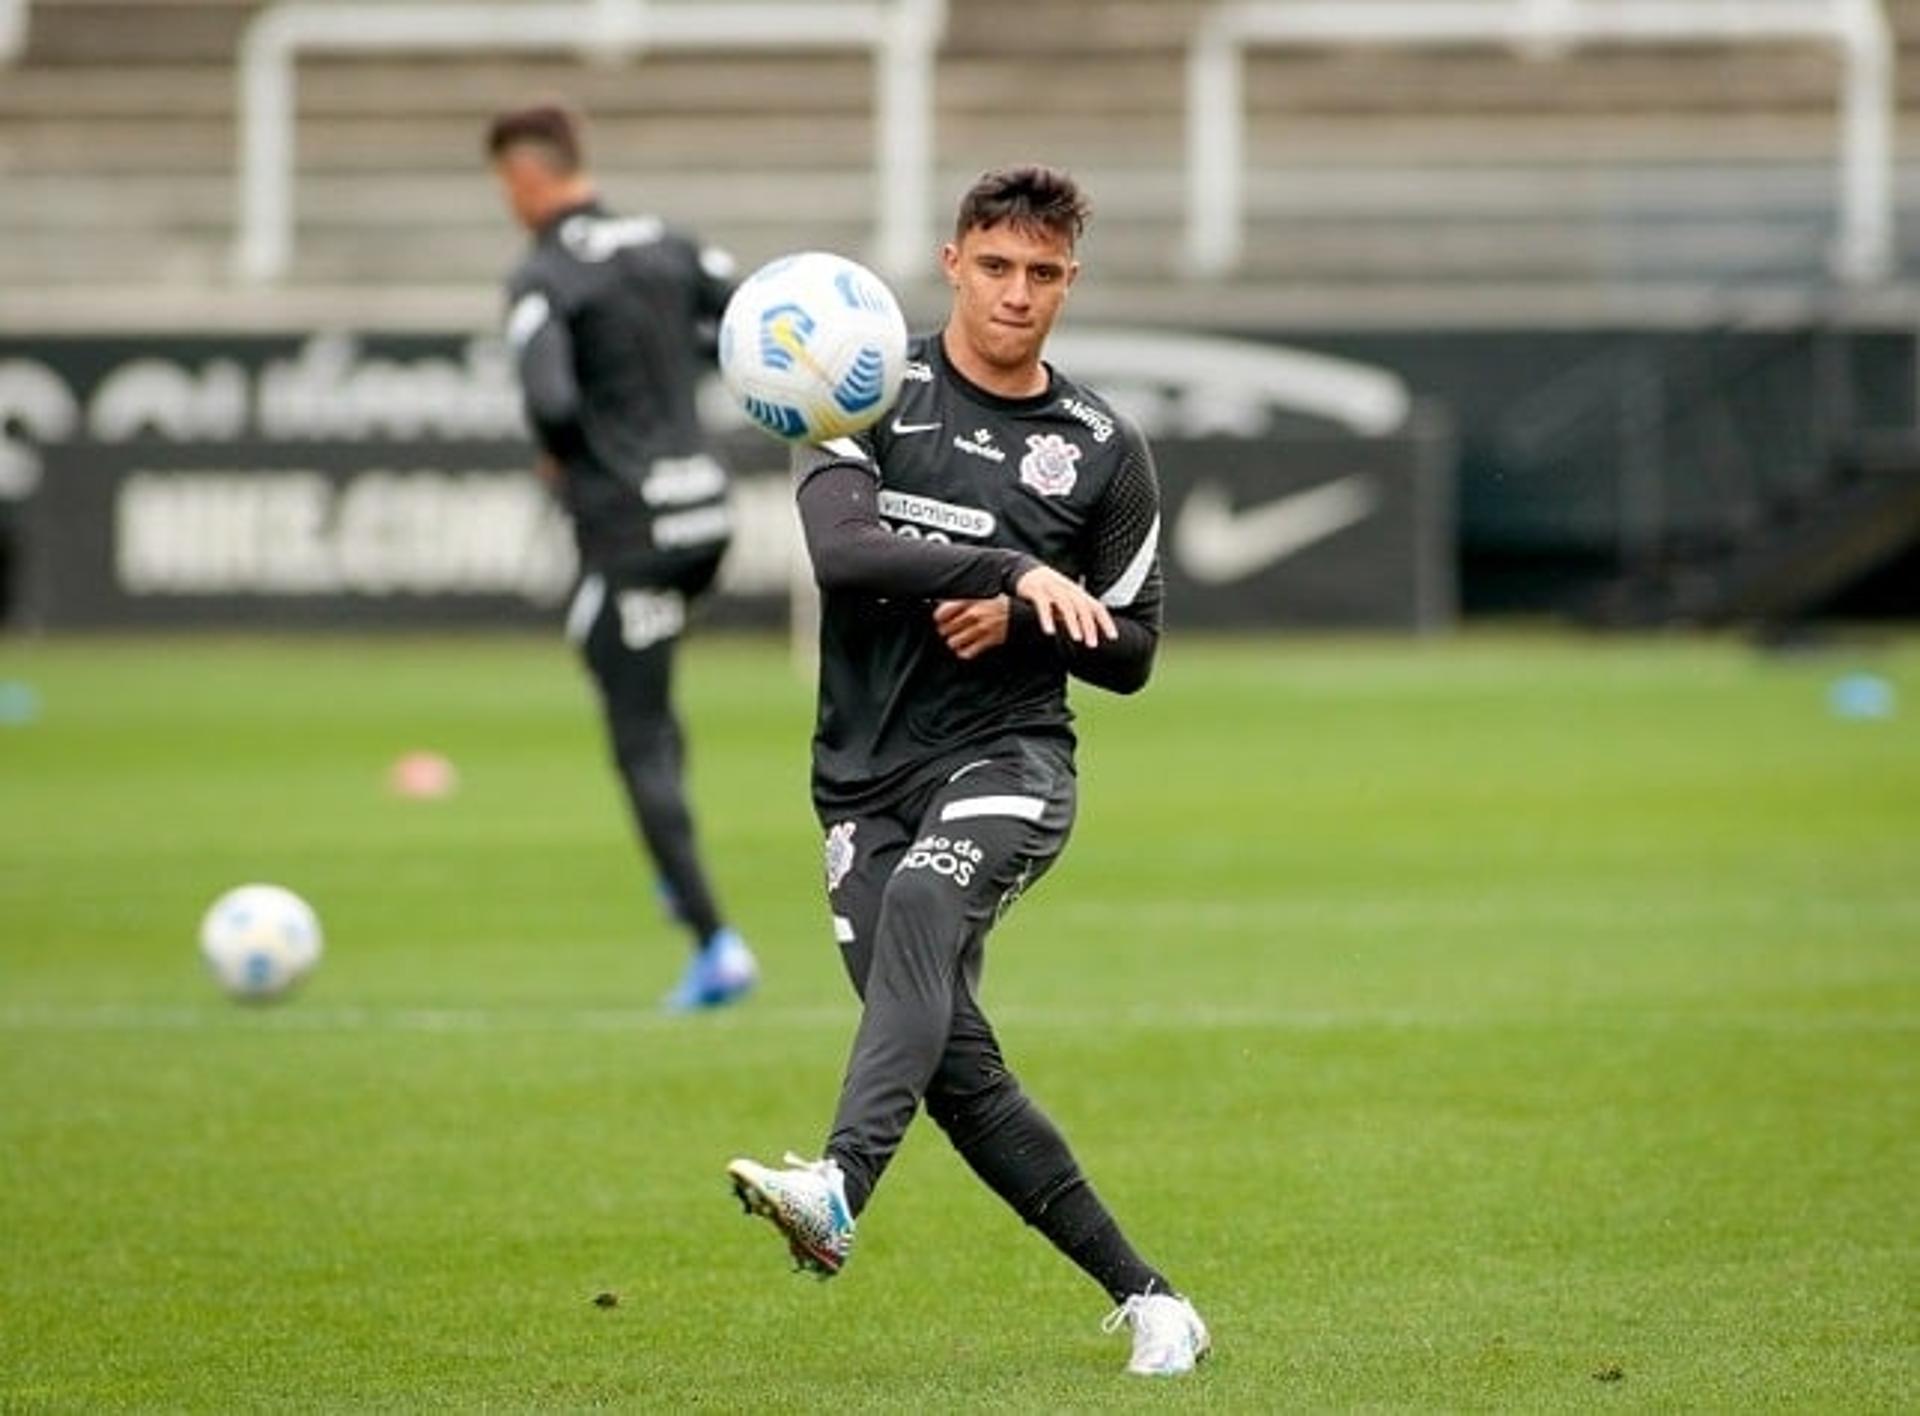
[[813, 346], [259, 941]]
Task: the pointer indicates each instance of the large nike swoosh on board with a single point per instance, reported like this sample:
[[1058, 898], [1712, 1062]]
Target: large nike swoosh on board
[[1216, 544]]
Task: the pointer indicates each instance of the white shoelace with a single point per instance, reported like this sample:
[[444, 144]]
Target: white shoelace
[[1125, 1313]]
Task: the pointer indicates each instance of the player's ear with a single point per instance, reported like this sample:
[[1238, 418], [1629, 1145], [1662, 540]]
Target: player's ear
[[1073, 274], [950, 263]]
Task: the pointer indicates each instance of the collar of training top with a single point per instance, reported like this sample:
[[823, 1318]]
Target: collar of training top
[[937, 349], [590, 207]]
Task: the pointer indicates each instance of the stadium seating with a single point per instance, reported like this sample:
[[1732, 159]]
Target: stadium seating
[[1389, 170]]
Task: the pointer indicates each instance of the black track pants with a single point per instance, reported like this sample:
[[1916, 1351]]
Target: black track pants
[[627, 633], [914, 888]]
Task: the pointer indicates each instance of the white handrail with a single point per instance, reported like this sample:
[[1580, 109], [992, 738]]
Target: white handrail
[[903, 35], [1863, 249], [13, 30]]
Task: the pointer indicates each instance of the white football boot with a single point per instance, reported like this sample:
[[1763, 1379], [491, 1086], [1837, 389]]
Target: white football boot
[[807, 1202], [1168, 1336]]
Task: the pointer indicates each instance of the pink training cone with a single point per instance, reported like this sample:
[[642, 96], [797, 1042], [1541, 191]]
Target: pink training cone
[[423, 776]]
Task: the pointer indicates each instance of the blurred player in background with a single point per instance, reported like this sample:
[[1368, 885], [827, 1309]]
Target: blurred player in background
[[609, 322], [944, 755]]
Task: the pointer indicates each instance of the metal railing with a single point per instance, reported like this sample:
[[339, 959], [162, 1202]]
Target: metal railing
[[13, 30], [902, 34], [1863, 248]]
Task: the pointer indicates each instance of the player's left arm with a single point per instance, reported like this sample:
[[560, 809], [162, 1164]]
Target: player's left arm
[[1122, 560], [1122, 570], [716, 277]]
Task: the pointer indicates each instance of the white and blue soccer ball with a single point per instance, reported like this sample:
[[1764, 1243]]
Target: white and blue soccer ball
[[259, 941], [813, 346]]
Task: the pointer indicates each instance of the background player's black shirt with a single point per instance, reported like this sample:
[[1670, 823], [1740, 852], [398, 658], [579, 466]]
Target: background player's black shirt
[[608, 319], [1060, 477]]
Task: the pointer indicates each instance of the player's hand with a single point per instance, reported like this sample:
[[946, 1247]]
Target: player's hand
[[549, 471], [1064, 607], [971, 627]]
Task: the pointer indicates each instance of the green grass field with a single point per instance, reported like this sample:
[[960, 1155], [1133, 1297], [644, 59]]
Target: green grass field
[[1521, 1022]]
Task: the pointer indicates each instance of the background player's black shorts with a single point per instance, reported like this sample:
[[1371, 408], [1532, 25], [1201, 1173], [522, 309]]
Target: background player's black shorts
[[648, 598], [626, 620]]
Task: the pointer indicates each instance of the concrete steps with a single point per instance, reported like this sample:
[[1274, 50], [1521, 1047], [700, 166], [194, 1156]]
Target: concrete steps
[[118, 150]]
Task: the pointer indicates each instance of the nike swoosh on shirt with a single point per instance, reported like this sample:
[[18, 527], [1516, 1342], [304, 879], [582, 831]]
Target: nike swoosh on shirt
[[1216, 544], [900, 427]]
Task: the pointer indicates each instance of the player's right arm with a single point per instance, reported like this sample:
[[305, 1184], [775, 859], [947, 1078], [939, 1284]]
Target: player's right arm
[[852, 550], [542, 349]]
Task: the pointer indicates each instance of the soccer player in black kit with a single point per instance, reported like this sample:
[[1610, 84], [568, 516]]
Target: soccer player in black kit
[[605, 321], [994, 535]]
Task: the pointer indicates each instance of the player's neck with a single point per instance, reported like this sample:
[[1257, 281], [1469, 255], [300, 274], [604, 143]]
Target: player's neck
[[562, 198], [1026, 380]]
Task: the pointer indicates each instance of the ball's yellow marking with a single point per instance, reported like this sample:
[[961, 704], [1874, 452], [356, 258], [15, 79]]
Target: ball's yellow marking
[[783, 335]]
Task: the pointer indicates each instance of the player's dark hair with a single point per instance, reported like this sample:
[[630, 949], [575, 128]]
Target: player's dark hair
[[1034, 197], [552, 130]]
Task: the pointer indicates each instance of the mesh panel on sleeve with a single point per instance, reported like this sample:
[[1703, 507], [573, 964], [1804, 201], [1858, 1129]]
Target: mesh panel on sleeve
[[1129, 514]]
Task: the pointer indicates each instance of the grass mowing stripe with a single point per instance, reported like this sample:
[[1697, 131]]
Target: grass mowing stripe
[[242, 1018]]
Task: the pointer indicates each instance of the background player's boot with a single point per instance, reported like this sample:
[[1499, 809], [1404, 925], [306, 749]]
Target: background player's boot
[[807, 1202], [723, 971], [1168, 1336]]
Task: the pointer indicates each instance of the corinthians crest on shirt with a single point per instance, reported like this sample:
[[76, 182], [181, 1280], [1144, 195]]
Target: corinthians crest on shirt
[[1048, 466]]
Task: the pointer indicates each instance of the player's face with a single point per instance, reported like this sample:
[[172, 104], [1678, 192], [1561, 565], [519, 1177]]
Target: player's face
[[1009, 283], [527, 184]]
